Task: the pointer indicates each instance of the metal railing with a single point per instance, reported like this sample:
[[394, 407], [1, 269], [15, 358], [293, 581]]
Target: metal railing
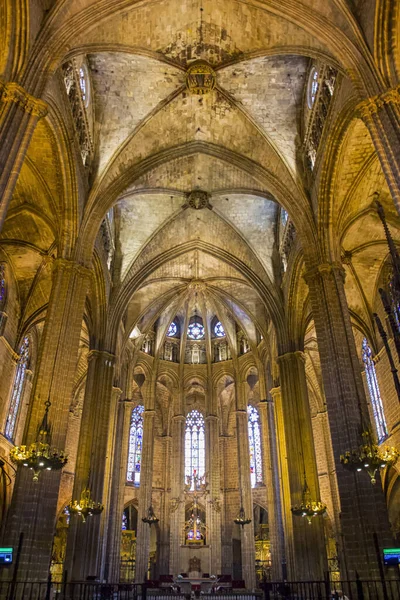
[[333, 590], [49, 590], [272, 590]]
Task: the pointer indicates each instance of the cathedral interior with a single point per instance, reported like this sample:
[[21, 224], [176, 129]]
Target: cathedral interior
[[199, 290]]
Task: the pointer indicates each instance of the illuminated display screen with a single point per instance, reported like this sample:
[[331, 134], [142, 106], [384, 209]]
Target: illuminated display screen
[[6, 556], [391, 556]]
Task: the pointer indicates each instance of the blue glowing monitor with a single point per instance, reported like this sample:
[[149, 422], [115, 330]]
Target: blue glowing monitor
[[6, 556], [391, 556]]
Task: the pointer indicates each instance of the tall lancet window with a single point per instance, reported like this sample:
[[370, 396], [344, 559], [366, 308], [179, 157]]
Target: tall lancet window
[[195, 451], [374, 393], [135, 445], [256, 476], [17, 390]]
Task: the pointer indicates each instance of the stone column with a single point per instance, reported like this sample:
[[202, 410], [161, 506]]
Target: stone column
[[177, 504], [247, 532], [164, 541], [146, 486], [362, 505], [288, 559], [227, 523], [309, 553], [116, 502], [33, 509], [270, 472], [84, 539], [113, 441], [19, 114], [381, 115], [214, 498]]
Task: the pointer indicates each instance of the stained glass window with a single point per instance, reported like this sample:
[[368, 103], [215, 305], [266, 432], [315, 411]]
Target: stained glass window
[[2, 283], [124, 526], [82, 83], [172, 330], [374, 393], [394, 302], [195, 453], [196, 331], [67, 514], [135, 445], [254, 446], [284, 216], [312, 87], [17, 389], [219, 330]]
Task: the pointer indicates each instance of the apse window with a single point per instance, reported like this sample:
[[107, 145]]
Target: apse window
[[2, 283], [312, 87], [17, 390], [195, 331], [254, 446], [172, 330], [374, 393], [84, 85], [195, 449], [135, 445], [219, 330]]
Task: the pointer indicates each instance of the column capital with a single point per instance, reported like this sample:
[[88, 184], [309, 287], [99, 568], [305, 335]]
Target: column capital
[[13, 92], [369, 107], [65, 265], [324, 271], [179, 418], [289, 356], [125, 401], [103, 355], [211, 418], [275, 392]]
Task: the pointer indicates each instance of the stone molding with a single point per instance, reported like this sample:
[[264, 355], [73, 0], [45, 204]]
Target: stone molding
[[101, 354], [13, 355], [371, 106], [288, 356], [13, 92], [63, 264], [324, 270]]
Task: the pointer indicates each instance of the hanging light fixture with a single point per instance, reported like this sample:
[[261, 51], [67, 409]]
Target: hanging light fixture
[[150, 517], [40, 456], [85, 507], [308, 508], [369, 457], [241, 518]]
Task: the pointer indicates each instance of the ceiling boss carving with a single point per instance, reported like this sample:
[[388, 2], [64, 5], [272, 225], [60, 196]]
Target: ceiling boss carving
[[198, 199], [200, 78]]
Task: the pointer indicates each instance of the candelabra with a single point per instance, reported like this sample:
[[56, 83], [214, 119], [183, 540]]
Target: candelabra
[[39, 455], [85, 507], [308, 508], [369, 457], [150, 517]]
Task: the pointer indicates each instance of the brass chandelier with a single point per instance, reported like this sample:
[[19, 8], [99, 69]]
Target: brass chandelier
[[308, 508], [150, 517], [369, 457], [85, 507], [40, 456], [241, 518]]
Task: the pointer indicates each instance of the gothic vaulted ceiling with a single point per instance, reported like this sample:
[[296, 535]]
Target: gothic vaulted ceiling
[[154, 144]]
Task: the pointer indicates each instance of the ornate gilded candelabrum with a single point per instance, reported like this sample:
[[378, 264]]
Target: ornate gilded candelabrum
[[150, 517], [308, 508], [40, 456], [369, 457], [85, 507]]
